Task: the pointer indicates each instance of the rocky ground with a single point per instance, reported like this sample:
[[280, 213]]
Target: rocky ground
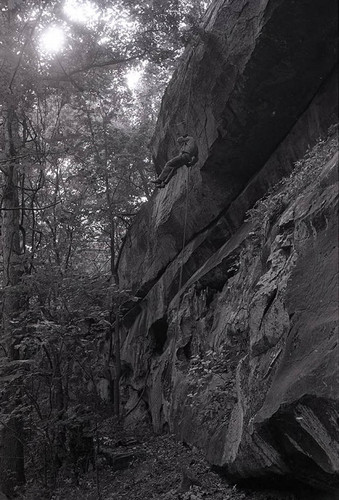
[[140, 465], [159, 468]]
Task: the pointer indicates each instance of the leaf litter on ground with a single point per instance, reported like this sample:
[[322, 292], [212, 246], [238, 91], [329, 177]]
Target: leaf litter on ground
[[167, 470]]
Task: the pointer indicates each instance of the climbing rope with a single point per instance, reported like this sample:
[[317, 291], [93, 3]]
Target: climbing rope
[[189, 97], [187, 181], [185, 122], [185, 229], [185, 216], [176, 331]]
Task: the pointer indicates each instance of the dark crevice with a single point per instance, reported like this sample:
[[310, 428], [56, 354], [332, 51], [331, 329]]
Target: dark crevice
[[126, 370], [303, 453], [158, 335], [274, 484], [185, 353]]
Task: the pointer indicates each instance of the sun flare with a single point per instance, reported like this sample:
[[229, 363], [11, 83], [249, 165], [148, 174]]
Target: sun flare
[[52, 40], [133, 77]]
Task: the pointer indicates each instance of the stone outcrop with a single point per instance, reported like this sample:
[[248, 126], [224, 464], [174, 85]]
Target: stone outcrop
[[240, 88], [248, 370], [233, 345]]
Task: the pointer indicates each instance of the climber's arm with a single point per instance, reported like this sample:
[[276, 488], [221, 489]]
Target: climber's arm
[[193, 161]]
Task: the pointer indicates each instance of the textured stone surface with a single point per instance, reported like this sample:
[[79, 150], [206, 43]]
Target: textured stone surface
[[246, 83], [313, 123], [272, 408], [234, 346], [266, 400]]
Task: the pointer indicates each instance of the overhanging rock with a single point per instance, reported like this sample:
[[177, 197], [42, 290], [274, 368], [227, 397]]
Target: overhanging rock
[[246, 78]]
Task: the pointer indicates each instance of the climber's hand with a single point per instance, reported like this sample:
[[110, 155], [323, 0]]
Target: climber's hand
[[193, 161]]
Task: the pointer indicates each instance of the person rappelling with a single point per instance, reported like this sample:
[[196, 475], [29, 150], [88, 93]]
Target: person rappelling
[[188, 156]]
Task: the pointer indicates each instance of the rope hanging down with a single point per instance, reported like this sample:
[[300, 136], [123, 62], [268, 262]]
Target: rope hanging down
[[185, 229], [185, 218], [187, 182], [181, 265], [182, 249], [189, 98]]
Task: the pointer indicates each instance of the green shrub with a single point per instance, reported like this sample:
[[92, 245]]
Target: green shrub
[[306, 171]]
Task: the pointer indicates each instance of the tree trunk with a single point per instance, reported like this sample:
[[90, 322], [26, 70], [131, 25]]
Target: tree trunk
[[11, 237], [114, 279], [11, 447], [117, 365]]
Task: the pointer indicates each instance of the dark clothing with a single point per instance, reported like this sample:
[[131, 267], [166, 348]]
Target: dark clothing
[[172, 165], [189, 146], [188, 156]]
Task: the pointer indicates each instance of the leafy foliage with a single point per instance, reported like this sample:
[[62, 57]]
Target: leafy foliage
[[75, 168], [305, 172]]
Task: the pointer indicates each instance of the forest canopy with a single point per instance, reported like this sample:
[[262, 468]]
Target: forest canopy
[[84, 80]]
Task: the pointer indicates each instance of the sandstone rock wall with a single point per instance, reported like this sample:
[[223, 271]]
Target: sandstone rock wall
[[233, 345], [240, 88], [243, 363], [268, 403]]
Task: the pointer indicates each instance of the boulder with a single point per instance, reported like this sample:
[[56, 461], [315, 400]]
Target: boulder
[[120, 460]]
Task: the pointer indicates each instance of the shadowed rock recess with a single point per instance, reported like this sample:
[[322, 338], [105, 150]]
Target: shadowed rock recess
[[241, 360]]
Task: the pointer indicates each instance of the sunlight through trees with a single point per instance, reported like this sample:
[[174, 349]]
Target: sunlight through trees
[[81, 84]]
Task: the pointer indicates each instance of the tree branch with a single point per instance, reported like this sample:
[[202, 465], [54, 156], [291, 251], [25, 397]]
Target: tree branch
[[93, 65], [30, 208]]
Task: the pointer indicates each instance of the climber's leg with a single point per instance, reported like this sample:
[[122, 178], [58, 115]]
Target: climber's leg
[[171, 168], [165, 172], [169, 176]]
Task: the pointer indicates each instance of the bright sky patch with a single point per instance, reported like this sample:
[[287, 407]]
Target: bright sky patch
[[84, 12], [52, 40], [133, 77]]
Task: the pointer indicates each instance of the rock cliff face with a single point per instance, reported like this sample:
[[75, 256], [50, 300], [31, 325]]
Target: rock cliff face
[[234, 334]]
